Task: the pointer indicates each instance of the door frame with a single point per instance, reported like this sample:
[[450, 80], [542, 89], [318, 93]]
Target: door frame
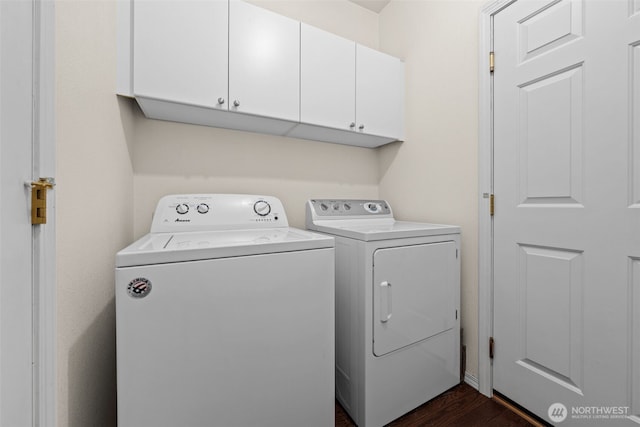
[[44, 249], [485, 189]]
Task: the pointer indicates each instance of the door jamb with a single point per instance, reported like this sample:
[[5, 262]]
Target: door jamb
[[44, 254], [485, 187]]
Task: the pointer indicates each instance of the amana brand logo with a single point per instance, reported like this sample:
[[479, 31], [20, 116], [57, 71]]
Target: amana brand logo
[[557, 412], [139, 288]]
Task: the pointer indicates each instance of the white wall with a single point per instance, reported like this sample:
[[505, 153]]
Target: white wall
[[93, 200], [174, 158], [432, 176]]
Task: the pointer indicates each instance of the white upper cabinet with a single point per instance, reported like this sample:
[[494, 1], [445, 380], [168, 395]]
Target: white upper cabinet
[[327, 79], [181, 51], [379, 93], [231, 64], [264, 62], [350, 87]]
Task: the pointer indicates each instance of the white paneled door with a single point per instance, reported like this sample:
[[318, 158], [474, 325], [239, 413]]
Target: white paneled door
[[16, 78], [567, 210]]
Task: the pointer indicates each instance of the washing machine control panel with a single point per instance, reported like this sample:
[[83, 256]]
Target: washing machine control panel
[[210, 212], [349, 208]]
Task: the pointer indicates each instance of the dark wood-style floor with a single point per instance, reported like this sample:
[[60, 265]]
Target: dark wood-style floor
[[460, 406]]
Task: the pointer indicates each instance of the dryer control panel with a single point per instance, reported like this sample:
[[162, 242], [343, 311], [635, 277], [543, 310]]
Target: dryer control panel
[[210, 212], [348, 209]]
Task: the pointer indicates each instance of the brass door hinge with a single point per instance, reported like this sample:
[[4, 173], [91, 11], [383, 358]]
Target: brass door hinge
[[492, 204], [492, 62], [491, 347], [39, 200]]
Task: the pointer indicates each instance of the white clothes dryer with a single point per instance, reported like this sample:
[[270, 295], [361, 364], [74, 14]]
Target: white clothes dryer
[[225, 317], [397, 308]]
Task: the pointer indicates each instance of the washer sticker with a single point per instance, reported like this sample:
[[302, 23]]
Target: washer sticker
[[139, 288]]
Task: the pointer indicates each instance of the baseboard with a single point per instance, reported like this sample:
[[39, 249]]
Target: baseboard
[[471, 380], [531, 418]]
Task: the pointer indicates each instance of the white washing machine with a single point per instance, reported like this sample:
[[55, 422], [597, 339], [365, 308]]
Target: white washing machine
[[397, 308], [225, 317]]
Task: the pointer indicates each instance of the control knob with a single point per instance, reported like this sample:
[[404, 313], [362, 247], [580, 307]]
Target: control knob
[[262, 208], [182, 208], [203, 208], [372, 207]]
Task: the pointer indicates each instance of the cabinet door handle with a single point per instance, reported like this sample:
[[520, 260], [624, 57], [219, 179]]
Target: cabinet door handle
[[220, 101], [361, 127], [236, 103], [352, 125]]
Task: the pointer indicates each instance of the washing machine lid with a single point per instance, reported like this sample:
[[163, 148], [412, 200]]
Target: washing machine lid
[[162, 248], [381, 229]]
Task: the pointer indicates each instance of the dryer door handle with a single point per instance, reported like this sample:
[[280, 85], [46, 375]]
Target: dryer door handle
[[385, 302]]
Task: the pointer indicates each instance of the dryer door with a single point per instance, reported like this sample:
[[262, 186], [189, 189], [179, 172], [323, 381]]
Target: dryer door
[[413, 294]]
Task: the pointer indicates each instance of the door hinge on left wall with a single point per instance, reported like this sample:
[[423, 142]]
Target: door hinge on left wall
[[491, 347], [39, 199], [492, 61]]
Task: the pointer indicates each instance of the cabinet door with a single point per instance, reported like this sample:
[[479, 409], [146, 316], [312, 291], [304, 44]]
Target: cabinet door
[[181, 51], [264, 62], [379, 93], [327, 79]]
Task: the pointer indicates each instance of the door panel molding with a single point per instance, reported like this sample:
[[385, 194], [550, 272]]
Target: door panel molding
[[551, 345], [634, 333], [551, 139], [634, 7], [634, 125], [549, 27]]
